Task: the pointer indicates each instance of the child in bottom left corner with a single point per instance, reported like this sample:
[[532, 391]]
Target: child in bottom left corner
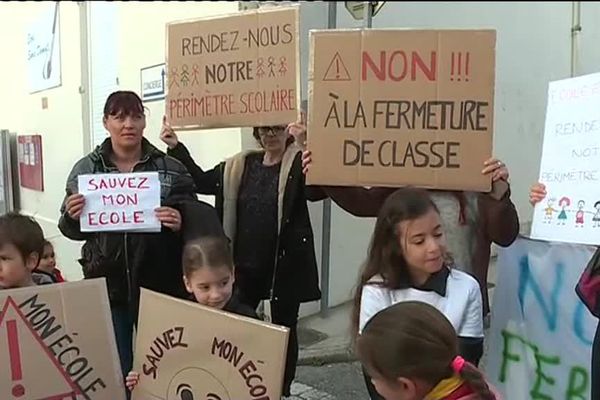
[[21, 248], [208, 274]]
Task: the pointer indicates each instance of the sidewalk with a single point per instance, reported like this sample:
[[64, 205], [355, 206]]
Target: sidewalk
[[326, 340]]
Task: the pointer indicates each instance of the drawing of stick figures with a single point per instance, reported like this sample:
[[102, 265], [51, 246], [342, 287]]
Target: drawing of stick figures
[[282, 66], [563, 204], [271, 67], [185, 79], [173, 77], [260, 72], [596, 217], [195, 75], [549, 210], [579, 216]]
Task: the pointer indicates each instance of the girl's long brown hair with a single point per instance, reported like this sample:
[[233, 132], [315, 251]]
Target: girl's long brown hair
[[385, 254], [414, 340]]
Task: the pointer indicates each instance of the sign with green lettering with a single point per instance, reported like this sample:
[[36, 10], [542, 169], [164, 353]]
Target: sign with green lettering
[[540, 340]]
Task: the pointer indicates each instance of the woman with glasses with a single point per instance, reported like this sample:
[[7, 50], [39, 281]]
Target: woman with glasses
[[261, 196]]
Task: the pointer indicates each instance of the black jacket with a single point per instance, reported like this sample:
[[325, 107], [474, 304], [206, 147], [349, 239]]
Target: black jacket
[[235, 306], [296, 274], [129, 261]]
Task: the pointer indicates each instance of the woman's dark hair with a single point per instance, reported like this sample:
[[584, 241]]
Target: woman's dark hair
[[256, 134], [596, 204], [123, 102], [414, 340], [385, 254], [206, 252]]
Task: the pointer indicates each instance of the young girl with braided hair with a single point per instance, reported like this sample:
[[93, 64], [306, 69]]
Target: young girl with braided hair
[[410, 351]]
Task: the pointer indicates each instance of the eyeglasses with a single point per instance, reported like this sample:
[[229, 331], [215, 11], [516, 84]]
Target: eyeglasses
[[273, 130]]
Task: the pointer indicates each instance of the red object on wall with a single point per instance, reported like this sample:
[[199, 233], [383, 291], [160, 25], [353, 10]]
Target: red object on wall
[[31, 165]]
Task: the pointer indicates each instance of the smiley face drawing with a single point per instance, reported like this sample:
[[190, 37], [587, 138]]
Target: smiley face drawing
[[196, 384]]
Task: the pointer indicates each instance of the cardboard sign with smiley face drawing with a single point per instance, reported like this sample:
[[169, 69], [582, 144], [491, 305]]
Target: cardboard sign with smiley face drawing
[[185, 351]]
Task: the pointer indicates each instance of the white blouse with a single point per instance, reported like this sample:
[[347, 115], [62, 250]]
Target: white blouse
[[462, 304]]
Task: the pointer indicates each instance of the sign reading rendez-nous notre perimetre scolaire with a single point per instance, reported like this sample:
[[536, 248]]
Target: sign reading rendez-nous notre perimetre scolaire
[[234, 70]]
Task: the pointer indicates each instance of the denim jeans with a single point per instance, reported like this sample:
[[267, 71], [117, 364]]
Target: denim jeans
[[123, 326]]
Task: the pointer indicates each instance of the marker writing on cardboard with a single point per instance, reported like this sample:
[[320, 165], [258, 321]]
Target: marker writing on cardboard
[[248, 370], [398, 65], [168, 340], [391, 153], [62, 346], [228, 41], [434, 115], [14, 353], [214, 105]]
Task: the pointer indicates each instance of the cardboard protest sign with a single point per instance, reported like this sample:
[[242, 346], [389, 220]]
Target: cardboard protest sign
[[120, 202], [570, 166], [401, 107], [196, 352], [57, 342], [234, 70]]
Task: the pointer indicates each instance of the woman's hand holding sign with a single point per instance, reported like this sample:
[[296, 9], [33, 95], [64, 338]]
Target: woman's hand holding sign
[[306, 161], [169, 217], [298, 130], [168, 135], [496, 168], [74, 205], [537, 193]]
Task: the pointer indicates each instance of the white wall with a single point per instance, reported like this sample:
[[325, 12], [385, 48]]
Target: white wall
[[587, 56], [143, 44], [60, 124]]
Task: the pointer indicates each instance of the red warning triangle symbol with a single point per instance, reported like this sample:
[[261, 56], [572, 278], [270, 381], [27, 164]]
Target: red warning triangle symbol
[[28, 369], [336, 71]]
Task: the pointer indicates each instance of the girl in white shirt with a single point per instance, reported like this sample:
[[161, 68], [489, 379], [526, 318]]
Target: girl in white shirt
[[408, 261]]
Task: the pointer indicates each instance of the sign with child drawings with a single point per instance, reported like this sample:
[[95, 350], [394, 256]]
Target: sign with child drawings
[[236, 70], [196, 352], [50, 348], [120, 202], [401, 107], [570, 166], [541, 334]]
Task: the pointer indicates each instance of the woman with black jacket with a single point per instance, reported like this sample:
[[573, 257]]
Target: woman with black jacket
[[130, 260], [261, 199]]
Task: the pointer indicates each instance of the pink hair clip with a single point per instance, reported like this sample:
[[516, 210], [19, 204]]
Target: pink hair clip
[[458, 364]]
